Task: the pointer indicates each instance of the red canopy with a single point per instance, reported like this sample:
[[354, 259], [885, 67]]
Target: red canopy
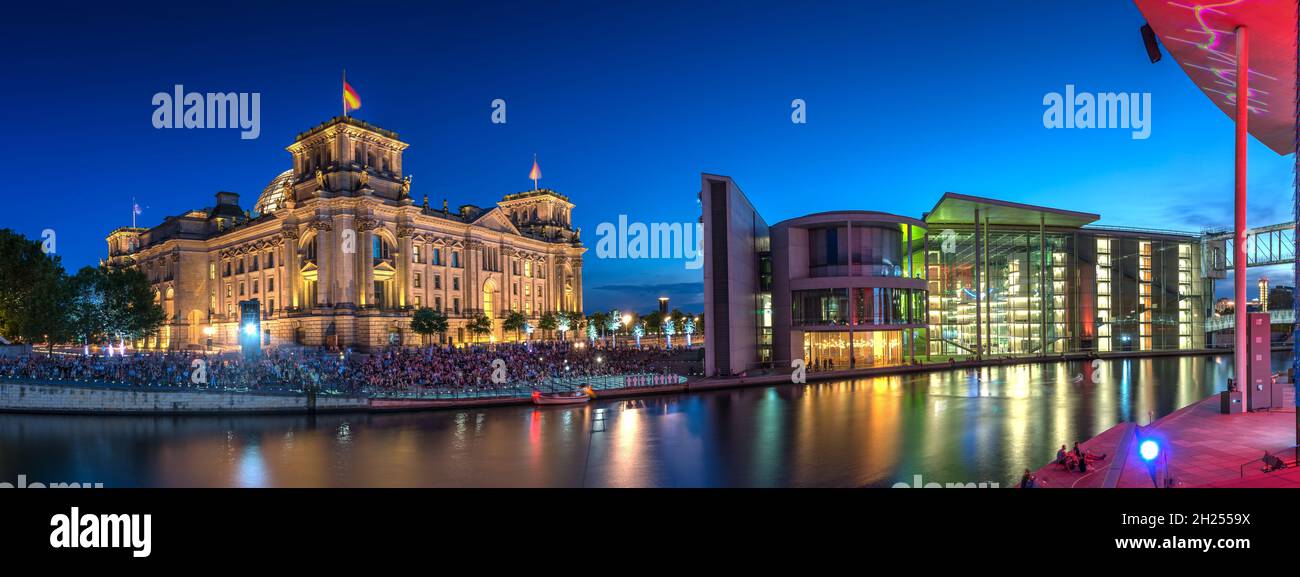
[[1200, 36]]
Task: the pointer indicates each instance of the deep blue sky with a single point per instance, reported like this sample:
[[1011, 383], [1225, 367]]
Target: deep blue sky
[[625, 104]]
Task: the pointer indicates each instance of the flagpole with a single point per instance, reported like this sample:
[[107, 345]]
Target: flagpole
[[345, 92], [133, 212], [534, 168]]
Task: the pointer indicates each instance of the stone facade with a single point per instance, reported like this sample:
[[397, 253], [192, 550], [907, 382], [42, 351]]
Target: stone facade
[[338, 254]]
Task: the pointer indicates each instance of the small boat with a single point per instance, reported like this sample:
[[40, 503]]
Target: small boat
[[566, 398]]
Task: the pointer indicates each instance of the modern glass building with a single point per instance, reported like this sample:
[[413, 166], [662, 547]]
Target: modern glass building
[[848, 289], [1012, 279], [975, 277]]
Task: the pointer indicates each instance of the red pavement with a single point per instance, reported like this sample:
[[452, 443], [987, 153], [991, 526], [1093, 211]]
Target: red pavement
[[1204, 447]]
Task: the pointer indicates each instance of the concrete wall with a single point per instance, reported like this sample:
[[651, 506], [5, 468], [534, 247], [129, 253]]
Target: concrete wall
[[731, 322], [63, 398]]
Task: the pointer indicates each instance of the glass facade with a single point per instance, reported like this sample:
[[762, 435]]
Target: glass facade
[[1061, 291], [1021, 296], [873, 250], [858, 306], [1151, 295], [832, 350]]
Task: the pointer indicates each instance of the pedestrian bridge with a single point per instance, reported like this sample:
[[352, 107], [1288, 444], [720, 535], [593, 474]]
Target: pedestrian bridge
[[1277, 317], [1265, 245]]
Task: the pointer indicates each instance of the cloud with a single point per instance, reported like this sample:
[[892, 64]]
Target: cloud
[[643, 298]]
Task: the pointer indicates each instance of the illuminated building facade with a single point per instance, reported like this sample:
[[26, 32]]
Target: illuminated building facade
[[1012, 279], [975, 277], [848, 289], [338, 254]]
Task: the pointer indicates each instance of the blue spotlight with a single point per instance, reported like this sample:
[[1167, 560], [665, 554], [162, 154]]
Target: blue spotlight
[[1149, 450]]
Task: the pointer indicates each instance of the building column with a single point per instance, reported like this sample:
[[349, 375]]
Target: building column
[[577, 284], [1241, 356], [979, 329], [292, 269], [345, 223], [988, 304], [403, 258], [507, 274], [325, 247], [1042, 283], [366, 266]]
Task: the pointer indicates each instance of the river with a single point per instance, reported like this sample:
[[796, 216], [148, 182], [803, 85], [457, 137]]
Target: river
[[947, 426]]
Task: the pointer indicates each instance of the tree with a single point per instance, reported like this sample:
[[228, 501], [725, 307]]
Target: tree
[[87, 322], [32, 286], [678, 317], [654, 322], [548, 322], [129, 304], [427, 321], [479, 325], [514, 321], [600, 321]]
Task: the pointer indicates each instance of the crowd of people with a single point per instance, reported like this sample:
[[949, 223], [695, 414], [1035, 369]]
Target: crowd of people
[[393, 370]]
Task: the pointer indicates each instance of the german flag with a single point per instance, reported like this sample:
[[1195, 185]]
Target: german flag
[[350, 99]]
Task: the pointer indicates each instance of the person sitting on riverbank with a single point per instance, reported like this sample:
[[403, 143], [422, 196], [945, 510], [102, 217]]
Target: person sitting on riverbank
[[1029, 480], [1272, 463]]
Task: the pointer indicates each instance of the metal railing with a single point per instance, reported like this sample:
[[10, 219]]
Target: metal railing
[[507, 390], [1286, 464], [524, 390]]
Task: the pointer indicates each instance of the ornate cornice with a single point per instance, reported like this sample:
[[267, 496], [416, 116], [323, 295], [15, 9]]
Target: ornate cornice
[[365, 223]]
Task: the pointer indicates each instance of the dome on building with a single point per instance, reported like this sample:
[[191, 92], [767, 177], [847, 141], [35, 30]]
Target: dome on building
[[272, 197]]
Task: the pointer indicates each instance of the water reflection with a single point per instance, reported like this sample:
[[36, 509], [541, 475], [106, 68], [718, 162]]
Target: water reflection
[[967, 426]]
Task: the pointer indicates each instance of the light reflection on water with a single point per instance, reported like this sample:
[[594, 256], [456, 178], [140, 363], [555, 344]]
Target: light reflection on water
[[967, 426]]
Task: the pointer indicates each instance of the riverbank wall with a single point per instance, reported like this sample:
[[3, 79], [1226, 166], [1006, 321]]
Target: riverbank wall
[[52, 397]]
